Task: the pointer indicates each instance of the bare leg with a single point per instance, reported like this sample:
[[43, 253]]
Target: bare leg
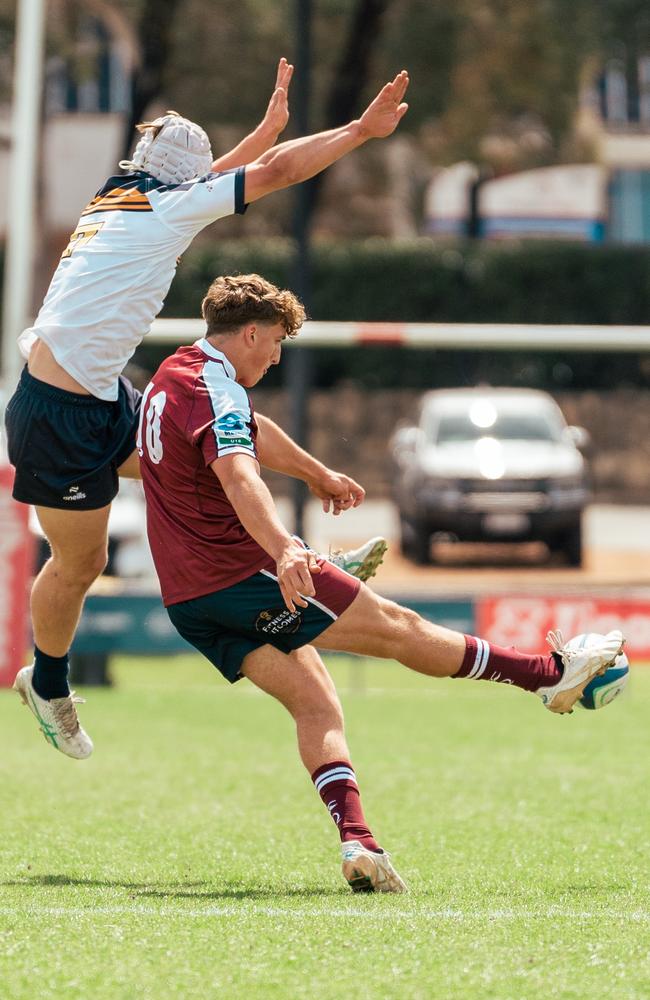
[[301, 683], [78, 540], [374, 626]]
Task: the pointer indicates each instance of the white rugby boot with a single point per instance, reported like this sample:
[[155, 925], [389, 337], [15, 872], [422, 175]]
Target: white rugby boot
[[582, 658], [57, 719], [362, 562], [367, 871]]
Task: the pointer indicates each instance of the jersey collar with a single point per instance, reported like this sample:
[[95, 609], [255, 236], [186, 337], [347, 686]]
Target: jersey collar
[[204, 345]]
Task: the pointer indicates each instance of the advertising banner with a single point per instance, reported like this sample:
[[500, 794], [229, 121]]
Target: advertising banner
[[15, 571], [524, 621]]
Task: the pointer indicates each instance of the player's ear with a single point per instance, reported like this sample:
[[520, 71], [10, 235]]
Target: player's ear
[[250, 334]]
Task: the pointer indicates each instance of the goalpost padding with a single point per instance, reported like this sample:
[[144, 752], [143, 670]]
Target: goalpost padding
[[459, 336], [16, 565]]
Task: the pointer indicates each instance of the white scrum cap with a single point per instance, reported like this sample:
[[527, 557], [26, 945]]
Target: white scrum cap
[[172, 149]]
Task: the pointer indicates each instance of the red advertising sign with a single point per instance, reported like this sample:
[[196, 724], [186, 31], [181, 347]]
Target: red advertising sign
[[15, 570], [524, 621]]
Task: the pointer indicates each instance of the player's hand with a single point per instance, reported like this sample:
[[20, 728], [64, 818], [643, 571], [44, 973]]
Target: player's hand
[[384, 114], [336, 491], [277, 113], [284, 74], [295, 567]]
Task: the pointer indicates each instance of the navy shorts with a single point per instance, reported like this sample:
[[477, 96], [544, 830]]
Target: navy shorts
[[67, 447], [228, 624]]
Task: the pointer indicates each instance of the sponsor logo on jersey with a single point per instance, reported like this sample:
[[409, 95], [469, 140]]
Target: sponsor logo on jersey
[[278, 620], [229, 441], [230, 424], [231, 430]]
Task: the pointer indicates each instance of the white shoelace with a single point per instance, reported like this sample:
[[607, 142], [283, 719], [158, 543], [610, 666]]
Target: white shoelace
[[555, 639], [66, 713]]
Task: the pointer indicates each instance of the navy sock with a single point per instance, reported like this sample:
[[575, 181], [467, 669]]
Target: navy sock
[[50, 677]]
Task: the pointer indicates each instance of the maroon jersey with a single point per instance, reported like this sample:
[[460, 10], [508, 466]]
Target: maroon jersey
[[193, 411]]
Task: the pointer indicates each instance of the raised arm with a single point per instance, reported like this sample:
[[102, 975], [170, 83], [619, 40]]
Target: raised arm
[[277, 451], [298, 160], [254, 506], [265, 135]]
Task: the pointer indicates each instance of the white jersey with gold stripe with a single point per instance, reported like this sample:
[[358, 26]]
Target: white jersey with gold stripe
[[115, 272]]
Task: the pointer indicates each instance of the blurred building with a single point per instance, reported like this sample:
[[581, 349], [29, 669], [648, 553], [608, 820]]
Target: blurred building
[[88, 79], [86, 101], [565, 202], [608, 199]]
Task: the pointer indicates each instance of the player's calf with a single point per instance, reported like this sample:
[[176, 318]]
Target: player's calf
[[374, 626]]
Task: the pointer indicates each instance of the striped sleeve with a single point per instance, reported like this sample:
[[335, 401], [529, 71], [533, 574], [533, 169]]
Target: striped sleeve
[[196, 203]]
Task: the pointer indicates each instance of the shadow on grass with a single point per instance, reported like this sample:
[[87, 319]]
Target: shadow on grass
[[590, 888], [199, 891], [232, 892]]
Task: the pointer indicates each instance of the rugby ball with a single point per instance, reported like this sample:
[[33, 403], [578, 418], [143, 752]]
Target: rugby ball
[[601, 690]]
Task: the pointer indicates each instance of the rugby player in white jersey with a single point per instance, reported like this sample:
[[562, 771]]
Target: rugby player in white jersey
[[254, 600], [71, 423]]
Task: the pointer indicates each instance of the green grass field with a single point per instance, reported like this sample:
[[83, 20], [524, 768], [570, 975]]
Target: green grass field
[[191, 858]]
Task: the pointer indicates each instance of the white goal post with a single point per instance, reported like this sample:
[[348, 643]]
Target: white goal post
[[477, 336]]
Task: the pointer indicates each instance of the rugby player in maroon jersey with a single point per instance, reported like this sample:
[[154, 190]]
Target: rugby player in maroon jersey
[[254, 599]]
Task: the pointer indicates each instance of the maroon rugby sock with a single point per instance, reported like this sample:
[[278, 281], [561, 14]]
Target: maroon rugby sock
[[336, 784], [485, 662]]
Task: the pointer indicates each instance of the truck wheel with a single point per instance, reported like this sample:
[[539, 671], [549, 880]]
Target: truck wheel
[[573, 545], [569, 542], [416, 541]]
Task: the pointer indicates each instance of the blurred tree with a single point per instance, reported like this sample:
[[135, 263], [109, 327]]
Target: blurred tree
[[487, 62], [352, 69], [344, 98], [514, 83], [6, 41], [497, 81], [156, 34], [225, 73]]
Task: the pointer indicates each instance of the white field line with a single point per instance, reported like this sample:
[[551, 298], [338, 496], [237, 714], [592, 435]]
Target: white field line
[[318, 912]]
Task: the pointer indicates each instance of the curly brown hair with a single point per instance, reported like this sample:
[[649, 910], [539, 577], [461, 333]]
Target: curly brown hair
[[233, 301]]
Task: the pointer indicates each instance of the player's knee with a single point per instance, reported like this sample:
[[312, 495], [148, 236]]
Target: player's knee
[[95, 564], [324, 718], [81, 570], [321, 708]]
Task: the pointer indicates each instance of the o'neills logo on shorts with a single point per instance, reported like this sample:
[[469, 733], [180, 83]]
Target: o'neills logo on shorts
[[74, 493], [278, 620]]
